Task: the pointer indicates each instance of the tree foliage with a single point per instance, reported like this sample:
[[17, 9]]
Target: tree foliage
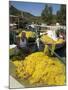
[[61, 15], [47, 14]]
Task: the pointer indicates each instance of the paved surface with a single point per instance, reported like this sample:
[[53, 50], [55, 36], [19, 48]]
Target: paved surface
[[14, 83]]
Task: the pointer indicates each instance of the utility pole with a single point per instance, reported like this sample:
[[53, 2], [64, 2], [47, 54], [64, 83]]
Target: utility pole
[[18, 22], [22, 14]]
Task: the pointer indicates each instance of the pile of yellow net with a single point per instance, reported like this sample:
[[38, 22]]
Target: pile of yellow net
[[40, 69], [46, 39], [29, 34]]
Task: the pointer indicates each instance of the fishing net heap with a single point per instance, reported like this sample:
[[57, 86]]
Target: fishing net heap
[[48, 40], [40, 69], [29, 34]]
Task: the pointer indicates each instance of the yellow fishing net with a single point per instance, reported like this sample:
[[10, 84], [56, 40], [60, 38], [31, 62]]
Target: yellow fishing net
[[40, 69]]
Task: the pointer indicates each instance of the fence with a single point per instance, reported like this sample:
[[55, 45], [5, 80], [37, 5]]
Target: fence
[[56, 27]]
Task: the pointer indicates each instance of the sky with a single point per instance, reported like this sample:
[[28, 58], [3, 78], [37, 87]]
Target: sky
[[33, 8]]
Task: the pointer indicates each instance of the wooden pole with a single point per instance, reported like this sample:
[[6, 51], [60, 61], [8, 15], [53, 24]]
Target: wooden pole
[[18, 23]]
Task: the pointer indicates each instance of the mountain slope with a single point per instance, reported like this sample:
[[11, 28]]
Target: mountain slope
[[27, 16]]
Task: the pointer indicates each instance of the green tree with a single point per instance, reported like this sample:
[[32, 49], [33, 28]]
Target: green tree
[[47, 14], [61, 15]]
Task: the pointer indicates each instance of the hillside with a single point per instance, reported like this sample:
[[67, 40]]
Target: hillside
[[27, 16], [14, 11]]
